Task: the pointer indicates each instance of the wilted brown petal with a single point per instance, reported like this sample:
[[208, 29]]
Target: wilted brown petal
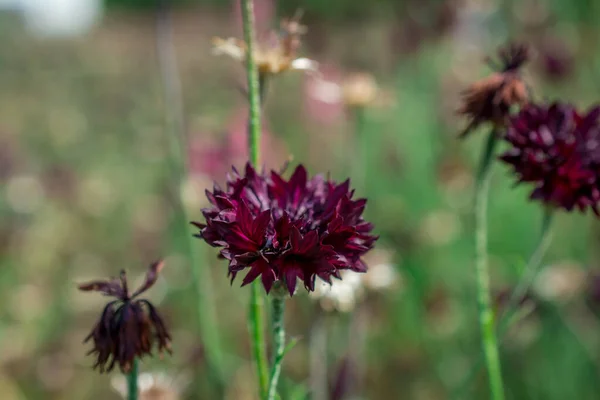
[[151, 277], [108, 288]]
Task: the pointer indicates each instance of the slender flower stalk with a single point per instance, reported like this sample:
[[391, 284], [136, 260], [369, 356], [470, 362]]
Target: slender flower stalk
[[529, 272], [278, 308], [132, 381], [486, 313], [177, 135], [512, 313], [256, 314], [254, 90]]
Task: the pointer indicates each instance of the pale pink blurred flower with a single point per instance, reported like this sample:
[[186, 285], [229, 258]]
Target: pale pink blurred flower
[[331, 92], [213, 158], [206, 156], [322, 95], [264, 13], [155, 386], [273, 150]]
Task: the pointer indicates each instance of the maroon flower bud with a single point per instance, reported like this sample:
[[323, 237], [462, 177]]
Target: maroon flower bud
[[283, 230], [128, 327]]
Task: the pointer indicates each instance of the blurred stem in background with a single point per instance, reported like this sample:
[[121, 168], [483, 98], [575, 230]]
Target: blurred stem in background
[[177, 138], [278, 308], [512, 312], [132, 381], [360, 161], [529, 272], [486, 313], [318, 367], [257, 313]]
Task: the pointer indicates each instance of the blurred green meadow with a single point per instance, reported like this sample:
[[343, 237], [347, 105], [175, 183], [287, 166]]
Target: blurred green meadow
[[86, 189]]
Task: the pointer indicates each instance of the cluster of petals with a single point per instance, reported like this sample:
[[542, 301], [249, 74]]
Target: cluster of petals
[[284, 230], [557, 149]]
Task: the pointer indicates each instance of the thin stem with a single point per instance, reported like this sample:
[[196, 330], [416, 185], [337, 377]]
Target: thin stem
[[256, 314], [254, 91], [278, 306], [256, 322], [176, 138], [512, 313], [486, 314], [132, 381], [529, 272]]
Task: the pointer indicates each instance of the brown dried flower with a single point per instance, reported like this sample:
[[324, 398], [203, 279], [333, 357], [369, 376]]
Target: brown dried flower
[[128, 327], [275, 55], [491, 99]]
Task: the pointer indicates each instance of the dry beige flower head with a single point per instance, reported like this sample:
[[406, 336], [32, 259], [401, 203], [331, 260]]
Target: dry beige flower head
[[277, 54]]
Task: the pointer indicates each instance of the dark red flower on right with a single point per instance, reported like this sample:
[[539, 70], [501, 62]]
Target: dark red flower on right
[[557, 149]]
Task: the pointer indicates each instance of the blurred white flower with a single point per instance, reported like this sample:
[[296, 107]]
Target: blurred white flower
[[355, 90], [560, 282], [24, 194], [154, 386], [60, 17], [342, 295], [382, 272]]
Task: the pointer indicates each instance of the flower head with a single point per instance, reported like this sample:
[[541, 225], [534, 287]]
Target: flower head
[[276, 54], [491, 99], [128, 327], [556, 148], [282, 230]]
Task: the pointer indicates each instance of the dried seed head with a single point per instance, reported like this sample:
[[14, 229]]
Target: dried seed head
[[273, 56], [491, 99], [128, 327]]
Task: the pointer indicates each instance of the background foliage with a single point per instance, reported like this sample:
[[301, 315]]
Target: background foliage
[[85, 191]]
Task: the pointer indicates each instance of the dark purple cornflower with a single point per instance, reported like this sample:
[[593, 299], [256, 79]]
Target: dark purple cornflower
[[282, 230], [128, 327], [557, 149], [490, 99]]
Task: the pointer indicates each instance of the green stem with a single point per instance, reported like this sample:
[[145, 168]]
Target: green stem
[[486, 314], [132, 381], [256, 322], [254, 129], [278, 305], [175, 138], [256, 314], [512, 313], [529, 272]]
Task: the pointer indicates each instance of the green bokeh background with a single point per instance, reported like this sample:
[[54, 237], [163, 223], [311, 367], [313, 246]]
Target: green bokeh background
[[85, 190]]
